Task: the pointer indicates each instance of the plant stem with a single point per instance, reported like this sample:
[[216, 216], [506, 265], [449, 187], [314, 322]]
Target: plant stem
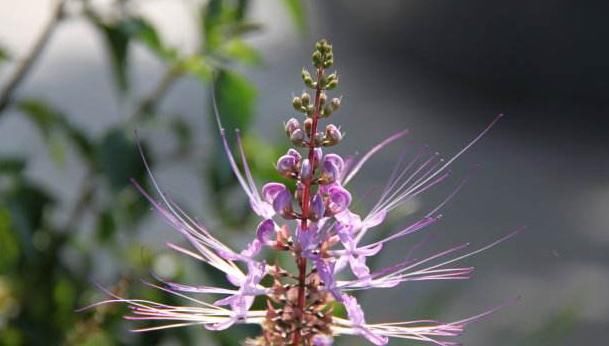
[[150, 101], [304, 204], [24, 67]]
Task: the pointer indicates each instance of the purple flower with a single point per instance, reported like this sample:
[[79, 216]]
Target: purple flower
[[315, 225]]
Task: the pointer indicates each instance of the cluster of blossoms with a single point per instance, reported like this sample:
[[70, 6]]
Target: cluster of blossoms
[[313, 223]]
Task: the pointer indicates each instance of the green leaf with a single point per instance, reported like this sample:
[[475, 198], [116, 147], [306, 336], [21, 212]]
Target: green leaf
[[9, 245], [117, 40], [4, 55], [241, 51], [143, 31], [235, 97], [53, 124], [212, 19], [197, 66], [106, 226], [26, 203], [41, 115], [118, 159], [11, 165], [298, 13]]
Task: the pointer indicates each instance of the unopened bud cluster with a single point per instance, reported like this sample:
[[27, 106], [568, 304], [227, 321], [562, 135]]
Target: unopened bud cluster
[[305, 134]]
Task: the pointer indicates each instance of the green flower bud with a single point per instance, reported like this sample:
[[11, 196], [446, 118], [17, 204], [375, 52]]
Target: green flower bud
[[318, 139], [317, 59], [335, 103], [310, 110], [305, 74], [297, 103], [322, 98], [326, 111], [305, 98], [332, 84]]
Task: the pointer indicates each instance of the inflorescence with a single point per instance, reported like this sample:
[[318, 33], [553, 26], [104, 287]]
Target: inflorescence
[[314, 224]]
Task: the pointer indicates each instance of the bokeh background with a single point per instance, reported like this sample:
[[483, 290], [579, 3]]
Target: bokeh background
[[69, 217]]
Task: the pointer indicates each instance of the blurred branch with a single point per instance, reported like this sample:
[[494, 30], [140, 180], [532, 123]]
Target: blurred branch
[[149, 102], [24, 67]]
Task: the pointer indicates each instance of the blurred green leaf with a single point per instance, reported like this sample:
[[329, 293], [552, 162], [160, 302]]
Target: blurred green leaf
[[143, 31], [241, 51], [183, 133], [26, 203], [554, 329], [4, 55], [297, 12], [118, 159], [41, 115], [106, 226], [212, 19], [11, 165], [117, 39], [198, 67], [235, 98], [53, 124], [9, 245]]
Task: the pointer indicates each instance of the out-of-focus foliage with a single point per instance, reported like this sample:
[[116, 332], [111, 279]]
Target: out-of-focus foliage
[[49, 247]]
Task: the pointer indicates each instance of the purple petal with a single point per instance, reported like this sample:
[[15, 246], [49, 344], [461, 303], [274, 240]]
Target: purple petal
[[294, 153], [336, 160], [266, 231], [286, 164], [283, 202], [339, 199], [322, 340], [356, 315], [271, 190]]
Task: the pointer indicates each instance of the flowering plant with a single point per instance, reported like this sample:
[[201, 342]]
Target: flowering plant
[[314, 224]]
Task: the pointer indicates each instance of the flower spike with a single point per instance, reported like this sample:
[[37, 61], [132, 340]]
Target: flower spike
[[310, 219]]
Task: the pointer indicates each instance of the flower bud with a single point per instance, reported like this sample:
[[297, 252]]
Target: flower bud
[[305, 170], [310, 110], [331, 84], [326, 111], [286, 165], [308, 80], [317, 208], [328, 63], [332, 136], [291, 125], [318, 139], [338, 199], [317, 155], [297, 137], [297, 103], [308, 126], [317, 59], [335, 103], [323, 98], [305, 98]]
